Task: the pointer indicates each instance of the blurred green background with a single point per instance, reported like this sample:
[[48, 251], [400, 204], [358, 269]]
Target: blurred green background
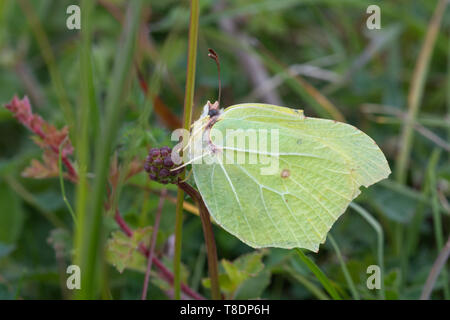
[[318, 56]]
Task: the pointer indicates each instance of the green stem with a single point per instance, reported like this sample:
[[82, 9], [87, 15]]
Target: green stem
[[347, 275], [61, 182], [211, 250], [188, 105], [82, 138], [438, 266], [437, 219], [380, 237]]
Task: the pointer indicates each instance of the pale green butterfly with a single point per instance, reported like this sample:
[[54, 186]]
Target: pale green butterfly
[[287, 189]]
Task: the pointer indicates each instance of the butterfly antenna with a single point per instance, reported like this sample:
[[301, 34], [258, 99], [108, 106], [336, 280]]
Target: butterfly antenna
[[213, 55], [188, 163]]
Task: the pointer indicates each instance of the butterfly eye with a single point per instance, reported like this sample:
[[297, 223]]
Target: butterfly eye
[[213, 112]]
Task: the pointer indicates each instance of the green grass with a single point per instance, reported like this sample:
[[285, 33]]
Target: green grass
[[90, 248]]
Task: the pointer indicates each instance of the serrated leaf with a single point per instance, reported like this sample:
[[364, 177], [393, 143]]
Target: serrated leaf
[[122, 251], [321, 166], [238, 272]]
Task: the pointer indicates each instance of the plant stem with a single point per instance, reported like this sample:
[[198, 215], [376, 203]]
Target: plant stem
[[380, 236], [83, 143], [61, 182], [437, 219], [167, 275], [438, 265], [188, 104], [347, 275], [211, 250], [153, 242]]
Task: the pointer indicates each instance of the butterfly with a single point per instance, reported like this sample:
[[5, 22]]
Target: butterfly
[[273, 177]]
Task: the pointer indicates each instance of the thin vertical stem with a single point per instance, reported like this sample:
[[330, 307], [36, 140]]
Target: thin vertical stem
[[380, 236], [438, 265], [347, 275], [167, 275], [188, 104], [83, 141], [437, 219], [417, 88], [153, 242], [61, 183]]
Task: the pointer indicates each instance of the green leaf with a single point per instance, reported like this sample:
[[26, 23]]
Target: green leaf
[[11, 215], [238, 274], [326, 283], [253, 287], [122, 251], [288, 192]]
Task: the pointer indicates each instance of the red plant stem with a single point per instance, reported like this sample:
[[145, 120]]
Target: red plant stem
[[167, 275], [153, 242], [73, 176], [122, 224]]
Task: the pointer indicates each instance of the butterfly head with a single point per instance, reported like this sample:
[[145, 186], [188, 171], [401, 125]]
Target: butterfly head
[[212, 110]]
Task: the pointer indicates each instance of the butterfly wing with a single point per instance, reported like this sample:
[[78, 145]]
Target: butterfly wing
[[286, 188]]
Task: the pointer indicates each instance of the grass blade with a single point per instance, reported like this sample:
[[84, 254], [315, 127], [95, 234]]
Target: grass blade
[[91, 239], [326, 283], [310, 286], [83, 144]]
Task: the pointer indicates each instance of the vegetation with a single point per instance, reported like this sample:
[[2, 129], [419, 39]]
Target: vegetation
[[96, 100]]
